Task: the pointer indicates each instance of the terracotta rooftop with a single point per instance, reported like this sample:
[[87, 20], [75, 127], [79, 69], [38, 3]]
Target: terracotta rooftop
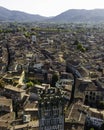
[[31, 106], [7, 117], [10, 87], [6, 102]]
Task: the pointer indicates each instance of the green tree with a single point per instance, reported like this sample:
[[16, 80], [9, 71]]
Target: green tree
[[92, 129], [1, 30], [80, 47], [27, 34], [54, 79], [30, 84]]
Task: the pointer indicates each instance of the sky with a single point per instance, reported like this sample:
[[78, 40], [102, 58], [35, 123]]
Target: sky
[[50, 7]]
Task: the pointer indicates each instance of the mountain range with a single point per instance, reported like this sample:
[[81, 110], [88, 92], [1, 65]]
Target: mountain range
[[9, 15], [81, 15], [73, 15]]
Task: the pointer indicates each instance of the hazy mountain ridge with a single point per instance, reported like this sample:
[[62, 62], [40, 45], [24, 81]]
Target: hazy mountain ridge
[[73, 15], [77, 15], [9, 15]]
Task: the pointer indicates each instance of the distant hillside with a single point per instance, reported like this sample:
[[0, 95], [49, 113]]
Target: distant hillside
[[76, 15], [73, 15], [8, 15]]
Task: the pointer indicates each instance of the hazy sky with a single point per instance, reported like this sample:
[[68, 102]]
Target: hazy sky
[[50, 7]]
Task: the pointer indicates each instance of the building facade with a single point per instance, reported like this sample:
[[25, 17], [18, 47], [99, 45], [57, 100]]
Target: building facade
[[92, 122], [51, 110], [94, 96]]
